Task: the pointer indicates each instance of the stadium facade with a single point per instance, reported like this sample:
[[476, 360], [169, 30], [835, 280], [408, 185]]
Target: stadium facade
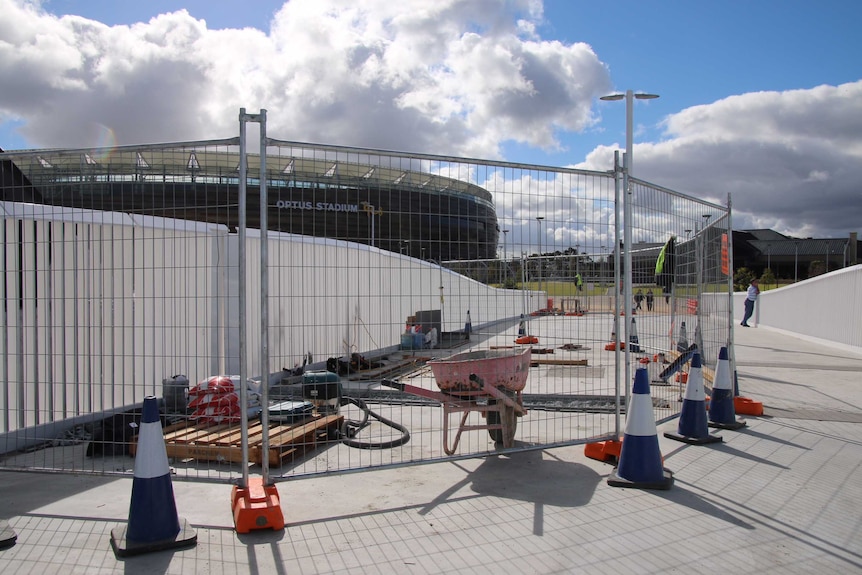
[[410, 211]]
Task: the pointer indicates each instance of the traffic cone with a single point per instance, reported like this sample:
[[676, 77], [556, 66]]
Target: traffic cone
[[633, 338], [640, 464], [682, 342], [7, 535], [698, 337], [522, 326], [153, 522], [612, 345], [693, 428], [721, 409], [468, 325]]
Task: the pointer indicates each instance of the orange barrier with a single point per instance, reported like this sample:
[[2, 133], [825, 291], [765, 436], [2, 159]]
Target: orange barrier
[[605, 451], [746, 406], [256, 507]]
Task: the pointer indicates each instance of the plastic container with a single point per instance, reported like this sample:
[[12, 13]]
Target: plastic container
[[175, 390]]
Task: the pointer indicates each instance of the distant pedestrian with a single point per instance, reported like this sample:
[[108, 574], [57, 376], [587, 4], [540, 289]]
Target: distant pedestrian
[[639, 298], [650, 299], [750, 298], [579, 281]]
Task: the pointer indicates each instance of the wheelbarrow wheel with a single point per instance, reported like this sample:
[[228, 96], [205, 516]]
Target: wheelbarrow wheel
[[508, 416]]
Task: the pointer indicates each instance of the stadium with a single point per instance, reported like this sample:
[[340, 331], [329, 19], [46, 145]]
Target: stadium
[[401, 209]]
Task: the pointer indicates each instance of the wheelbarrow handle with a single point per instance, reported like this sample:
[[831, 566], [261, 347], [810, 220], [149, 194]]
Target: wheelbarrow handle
[[393, 384]]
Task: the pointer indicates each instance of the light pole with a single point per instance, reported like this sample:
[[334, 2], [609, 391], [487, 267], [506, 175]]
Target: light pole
[[796, 262], [629, 97], [769, 256], [505, 235], [539, 219], [627, 212], [603, 263]]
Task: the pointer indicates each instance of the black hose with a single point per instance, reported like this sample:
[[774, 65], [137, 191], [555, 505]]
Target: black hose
[[350, 428]]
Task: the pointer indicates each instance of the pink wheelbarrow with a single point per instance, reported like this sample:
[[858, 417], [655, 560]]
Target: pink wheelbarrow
[[487, 381]]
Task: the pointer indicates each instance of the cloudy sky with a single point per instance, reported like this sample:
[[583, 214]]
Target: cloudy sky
[[762, 100]]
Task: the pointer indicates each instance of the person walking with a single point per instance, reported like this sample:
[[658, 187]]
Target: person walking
[[753, 292], [639, 298], [650, 298]]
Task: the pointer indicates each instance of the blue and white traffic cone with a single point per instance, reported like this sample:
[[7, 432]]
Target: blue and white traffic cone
[[468, 325], [633, 338], [8, 537], [693, 428], [153, 522], [721, 411], [640, 464]]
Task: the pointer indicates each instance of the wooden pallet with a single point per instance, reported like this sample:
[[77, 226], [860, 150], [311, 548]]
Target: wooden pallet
[[187, 440]]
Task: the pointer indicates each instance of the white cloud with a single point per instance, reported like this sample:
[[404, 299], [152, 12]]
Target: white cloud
[[456, 77], [452, 76], [790, 160]]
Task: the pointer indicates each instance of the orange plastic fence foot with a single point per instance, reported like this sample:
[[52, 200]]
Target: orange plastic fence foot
[[605, 451], [747, 406], [256, 507]]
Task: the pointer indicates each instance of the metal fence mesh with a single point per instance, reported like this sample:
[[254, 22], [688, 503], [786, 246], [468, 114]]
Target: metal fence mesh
[[121, 272]]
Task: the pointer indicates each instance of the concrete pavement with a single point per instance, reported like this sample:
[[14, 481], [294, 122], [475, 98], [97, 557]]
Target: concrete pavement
[[781, 495]]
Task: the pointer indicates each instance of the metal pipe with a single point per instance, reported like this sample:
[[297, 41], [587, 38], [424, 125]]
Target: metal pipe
[[264, 305], [243, 367]]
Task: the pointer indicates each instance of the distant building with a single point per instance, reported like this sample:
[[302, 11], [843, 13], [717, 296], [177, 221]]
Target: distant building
[[420, 214], [789, 257]]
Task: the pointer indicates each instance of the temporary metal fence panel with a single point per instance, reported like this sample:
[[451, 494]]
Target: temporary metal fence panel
[[681, 278], [121, 271]]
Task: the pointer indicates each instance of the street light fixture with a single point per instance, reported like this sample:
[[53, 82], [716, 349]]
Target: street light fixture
[[629, 98]]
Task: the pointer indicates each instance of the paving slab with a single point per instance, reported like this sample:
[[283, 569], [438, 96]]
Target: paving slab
[[781, 495]]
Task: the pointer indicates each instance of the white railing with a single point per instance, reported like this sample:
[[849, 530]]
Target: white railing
[[825, 308], [101, 307]]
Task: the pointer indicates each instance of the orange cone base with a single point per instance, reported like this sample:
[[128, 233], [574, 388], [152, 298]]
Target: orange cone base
[[605, 451], [7, 535], [256, 507], [613, 346], [694, 440], [125, 548], [666, 482], [746, 406]]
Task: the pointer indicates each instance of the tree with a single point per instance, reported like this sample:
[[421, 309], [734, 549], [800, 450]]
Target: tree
[[742, 278], [768, 278], [816, 268]]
